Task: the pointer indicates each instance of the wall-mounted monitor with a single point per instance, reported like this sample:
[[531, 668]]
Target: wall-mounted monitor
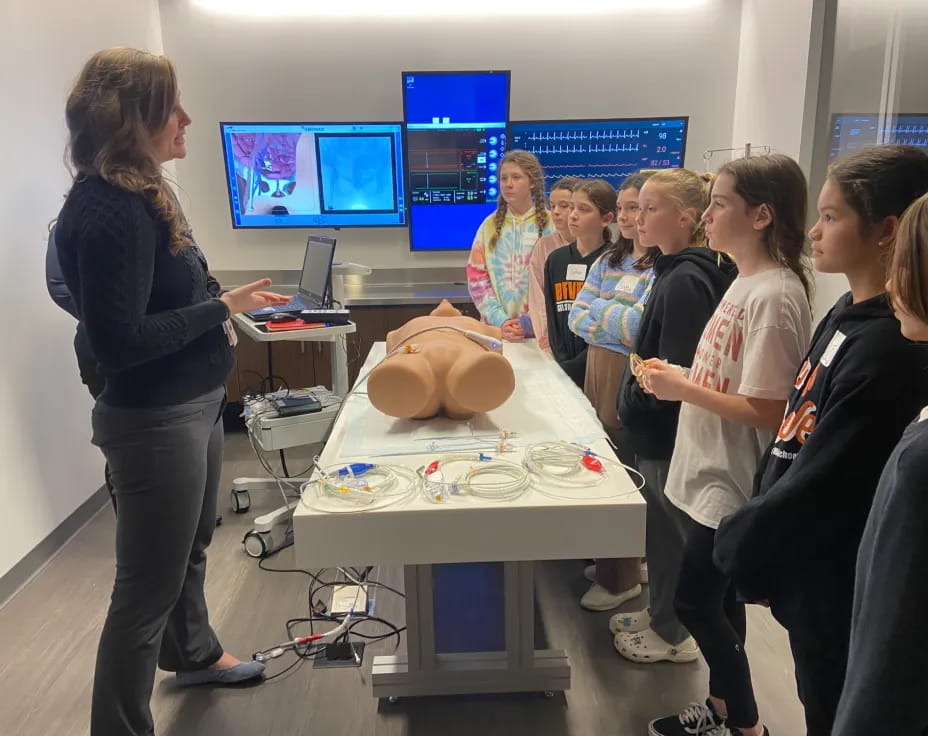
[[455, 125], [314, 175], [601, 149], [850, 133]]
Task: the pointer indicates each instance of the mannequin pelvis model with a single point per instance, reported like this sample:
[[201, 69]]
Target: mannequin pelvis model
[[437, 370]]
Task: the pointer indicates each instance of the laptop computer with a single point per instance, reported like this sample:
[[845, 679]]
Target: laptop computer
[[315, 281]]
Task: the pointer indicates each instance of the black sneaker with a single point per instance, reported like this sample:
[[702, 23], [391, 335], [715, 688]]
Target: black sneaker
[[724, 730], [697, 720]]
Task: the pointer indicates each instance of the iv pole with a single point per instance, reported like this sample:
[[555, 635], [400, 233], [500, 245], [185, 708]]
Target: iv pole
[[748, 149]]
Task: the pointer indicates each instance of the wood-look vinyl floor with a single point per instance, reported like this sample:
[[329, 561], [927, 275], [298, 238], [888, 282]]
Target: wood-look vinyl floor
[[49, 632]]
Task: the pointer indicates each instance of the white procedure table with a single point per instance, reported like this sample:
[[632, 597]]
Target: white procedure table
[[419, 534]]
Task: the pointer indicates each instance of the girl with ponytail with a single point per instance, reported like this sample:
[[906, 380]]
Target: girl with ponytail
[[688, 284]]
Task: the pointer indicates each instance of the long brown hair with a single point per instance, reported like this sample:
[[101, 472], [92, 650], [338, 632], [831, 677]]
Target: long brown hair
[[602, 196], [908, 272], [121, 99], [532, 168], [623, 246], [775, 180]]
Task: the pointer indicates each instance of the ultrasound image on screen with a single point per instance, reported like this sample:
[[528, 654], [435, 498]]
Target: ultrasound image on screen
[[357, 172]]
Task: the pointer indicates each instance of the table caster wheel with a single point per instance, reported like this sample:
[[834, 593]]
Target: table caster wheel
[[549, 694], [241, 501], [393, 699], [256, 544]]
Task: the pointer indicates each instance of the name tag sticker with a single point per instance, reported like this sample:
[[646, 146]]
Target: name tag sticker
[[576, 272], [627, 284], [833, 347], [231, 334]]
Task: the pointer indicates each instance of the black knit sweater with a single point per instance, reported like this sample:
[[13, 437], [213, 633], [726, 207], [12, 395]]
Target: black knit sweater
[[151, 316]]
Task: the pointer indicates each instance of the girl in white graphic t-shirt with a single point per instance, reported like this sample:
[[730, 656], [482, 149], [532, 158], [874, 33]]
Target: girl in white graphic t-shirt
[[733, 398]]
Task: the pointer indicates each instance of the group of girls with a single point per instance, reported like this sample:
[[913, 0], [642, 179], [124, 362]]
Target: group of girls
[[767, 450]]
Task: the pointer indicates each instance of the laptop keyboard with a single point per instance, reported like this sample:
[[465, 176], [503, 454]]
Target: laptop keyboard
[[294, 305]]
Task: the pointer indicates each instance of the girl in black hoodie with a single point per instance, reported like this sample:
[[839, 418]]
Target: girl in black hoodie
[[885, 687], [689, 282], [795, 544]]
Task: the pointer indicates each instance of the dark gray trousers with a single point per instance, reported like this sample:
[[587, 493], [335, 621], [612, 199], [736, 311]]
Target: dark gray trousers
[[665, 538], [165, 465]]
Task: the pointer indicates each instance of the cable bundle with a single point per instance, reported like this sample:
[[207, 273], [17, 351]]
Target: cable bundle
[[358, 487], [312, 644], [569, 466], [494, 480]]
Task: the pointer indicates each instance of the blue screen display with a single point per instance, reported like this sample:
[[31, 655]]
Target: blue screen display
[[601, 149], [455, 138], [314, 174], [447, 226], [850, 133], [455, 98]]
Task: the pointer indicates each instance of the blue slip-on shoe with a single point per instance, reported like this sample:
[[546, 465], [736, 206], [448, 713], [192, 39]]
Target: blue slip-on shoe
[[228, 676]]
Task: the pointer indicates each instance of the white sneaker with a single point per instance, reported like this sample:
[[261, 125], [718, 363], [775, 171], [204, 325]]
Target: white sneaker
[[644, 573], [597, 598], [589, 572], [631, 623], [647, 646]]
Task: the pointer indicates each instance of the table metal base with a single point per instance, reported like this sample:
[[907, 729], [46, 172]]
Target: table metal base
[[423, 671]]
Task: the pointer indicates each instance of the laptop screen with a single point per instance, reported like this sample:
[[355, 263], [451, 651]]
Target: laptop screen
[[317, 268]]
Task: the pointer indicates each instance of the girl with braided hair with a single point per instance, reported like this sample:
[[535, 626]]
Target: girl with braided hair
[[497, 270]]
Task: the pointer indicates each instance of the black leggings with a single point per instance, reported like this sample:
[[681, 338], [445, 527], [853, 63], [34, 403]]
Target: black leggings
[[705, 603]]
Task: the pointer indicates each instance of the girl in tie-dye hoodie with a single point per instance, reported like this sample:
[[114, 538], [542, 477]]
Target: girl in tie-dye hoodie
[[497, 270]]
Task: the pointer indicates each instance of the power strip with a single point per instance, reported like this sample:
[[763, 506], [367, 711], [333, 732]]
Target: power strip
[[347, 598]]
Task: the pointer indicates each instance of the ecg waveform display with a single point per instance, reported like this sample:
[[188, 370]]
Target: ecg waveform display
[[453, 166], [602, 149], [850, 133]]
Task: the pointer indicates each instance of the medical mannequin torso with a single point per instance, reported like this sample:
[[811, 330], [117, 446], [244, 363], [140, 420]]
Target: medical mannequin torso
[[440, 370]]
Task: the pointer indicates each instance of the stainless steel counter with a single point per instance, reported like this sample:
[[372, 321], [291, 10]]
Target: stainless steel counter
[[383, 287], [381, 295]]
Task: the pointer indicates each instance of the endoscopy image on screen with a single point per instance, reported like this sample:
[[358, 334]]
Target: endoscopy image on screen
[[314, 175]]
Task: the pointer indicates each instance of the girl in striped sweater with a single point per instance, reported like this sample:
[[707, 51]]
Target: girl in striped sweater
[[606, 314]]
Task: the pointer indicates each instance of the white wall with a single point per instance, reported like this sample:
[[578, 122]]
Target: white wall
[[773, 59], [49, 466], [771, 94], [628, 63]]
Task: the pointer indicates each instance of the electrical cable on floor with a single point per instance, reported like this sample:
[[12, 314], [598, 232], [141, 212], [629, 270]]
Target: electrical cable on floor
[[305, 648]]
